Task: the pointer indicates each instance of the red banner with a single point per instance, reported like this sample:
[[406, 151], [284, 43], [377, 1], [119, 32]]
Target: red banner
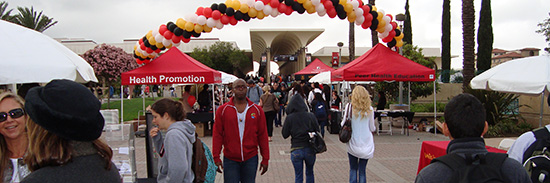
[[335, 61]]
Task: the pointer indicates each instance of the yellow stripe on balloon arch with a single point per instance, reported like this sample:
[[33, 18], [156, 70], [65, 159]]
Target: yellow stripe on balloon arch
[[234, 11]]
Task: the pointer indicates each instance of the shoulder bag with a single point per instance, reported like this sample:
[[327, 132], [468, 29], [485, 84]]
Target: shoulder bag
[[316, 140], [345, 132]]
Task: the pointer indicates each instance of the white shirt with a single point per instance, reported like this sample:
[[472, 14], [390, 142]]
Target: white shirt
[[521, 144], [311, 95], [361, 144], [15, 176], [241, 117]]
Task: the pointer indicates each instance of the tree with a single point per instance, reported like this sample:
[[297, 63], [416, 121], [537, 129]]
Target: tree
[[418, 89], [33, 20], [408, 39], [222, 56], [5, 14], [109, 62], [468, 41], [484, 37], [374, 34], [446, 41], [545, 30]]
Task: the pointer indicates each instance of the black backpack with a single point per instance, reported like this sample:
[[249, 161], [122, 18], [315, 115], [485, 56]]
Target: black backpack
[[475, 168], [536, 159]]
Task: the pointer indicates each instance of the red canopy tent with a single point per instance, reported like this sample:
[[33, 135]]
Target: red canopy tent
[[172, 67], [382, 64], [315, 67]]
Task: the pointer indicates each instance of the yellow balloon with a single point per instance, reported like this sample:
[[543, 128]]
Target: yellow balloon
[[399, 43], [348, 8], [381, 26], [380, 16], [308, 4], [236, 4], [311, 10], [252, 12], [198, 28], [343, 2], [169, 46], [189, 26], [135, 47], [149, 34], [260, 15], [207, 29], [301, 1], [229, 3], [151, 56], [373, 8], [244, 8], [352, 17], [152, 40], [400, 37], [181, 23], [159, 45]]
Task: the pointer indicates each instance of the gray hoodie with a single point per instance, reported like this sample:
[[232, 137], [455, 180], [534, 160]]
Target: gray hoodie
[[176, 153]]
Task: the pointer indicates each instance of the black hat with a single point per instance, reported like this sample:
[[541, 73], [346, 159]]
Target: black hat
[[250, 81], [67, 109]]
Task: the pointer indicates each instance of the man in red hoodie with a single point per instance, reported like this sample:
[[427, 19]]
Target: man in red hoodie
[[240, 128]]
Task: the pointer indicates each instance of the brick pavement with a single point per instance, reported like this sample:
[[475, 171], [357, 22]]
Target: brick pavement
[[395, 158]]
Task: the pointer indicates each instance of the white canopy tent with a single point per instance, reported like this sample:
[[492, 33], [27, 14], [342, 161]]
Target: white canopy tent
[[29, 56], [529, 76]]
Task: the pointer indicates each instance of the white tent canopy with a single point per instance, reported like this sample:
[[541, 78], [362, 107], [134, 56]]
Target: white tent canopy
[[530, 75], [322, 78], [228, 78], [29, 56]]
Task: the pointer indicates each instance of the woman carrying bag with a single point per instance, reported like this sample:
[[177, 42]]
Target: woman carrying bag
[[270, 105], [361, 143]]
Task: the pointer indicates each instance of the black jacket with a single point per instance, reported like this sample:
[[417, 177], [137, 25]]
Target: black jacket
[[299, 122]]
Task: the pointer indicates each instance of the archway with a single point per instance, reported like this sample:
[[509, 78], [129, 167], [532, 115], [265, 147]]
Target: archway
[[234, 11]]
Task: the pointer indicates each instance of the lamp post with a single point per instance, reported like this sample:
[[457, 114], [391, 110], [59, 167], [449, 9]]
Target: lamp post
[[340, 44], [400, 18]]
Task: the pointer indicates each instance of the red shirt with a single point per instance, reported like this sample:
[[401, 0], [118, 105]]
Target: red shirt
[[226, 133]]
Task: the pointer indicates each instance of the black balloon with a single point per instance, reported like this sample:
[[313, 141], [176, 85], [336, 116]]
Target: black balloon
[[178, 31], [280, 1], [370, 6], [392, 43], [194, 34], [135, 56], [341, 12], [374, 24], [186, 34], [397, 32], [374, 14], [229, 11], [171, 26], [146, 43], [153, 47], [335, 2], [246, 17], [222, 7], [239, 15], [214, 6], [289, 2]]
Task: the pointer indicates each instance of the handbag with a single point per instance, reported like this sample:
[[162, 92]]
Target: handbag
[[345, 132], [316, 140], [276, 105]]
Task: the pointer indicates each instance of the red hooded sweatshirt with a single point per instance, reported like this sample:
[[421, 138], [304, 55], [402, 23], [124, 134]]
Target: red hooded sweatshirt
[[226, 133]]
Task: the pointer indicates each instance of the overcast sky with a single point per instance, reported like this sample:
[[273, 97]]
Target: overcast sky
[[107, 21]]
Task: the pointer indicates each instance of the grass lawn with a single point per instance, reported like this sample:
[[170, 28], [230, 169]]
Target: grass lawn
[[131, 107]]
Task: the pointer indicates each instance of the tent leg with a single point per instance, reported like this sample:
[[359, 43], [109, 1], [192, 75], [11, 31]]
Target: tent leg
[[121, 103], [435, 110], [541, 109], [400, 92]]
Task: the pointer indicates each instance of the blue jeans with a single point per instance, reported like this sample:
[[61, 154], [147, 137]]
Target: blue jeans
[[322, 124], [244, 172], [299, 157], [279, 115], [357, 168]]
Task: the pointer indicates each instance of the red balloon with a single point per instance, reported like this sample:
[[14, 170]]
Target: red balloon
[[366, 9], [360, 3], [331, 13], [146, 61], [149, 50], [232, 20], [138, 61], [157, 51], [142, 46], [368, 18], [224, 19], [274, 4], [176, 39], [328, 5], [168, 35], [289, 10], [207, 12], [394, 25], [391, 17], [366, 24], [282, 8], [186, 40], [216, 14], [200, 11], [391, 34], [266, 1], [162, 29], [140, 41]]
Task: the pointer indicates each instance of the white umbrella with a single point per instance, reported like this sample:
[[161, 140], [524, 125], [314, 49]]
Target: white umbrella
[[322, 78], [29, 56], [529, 75], [228, 78]]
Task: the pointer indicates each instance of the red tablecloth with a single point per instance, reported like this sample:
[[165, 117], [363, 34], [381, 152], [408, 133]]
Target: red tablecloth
[[433, 149]]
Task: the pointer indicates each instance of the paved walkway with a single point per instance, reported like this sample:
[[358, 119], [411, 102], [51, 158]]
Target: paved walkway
[[395, 159]]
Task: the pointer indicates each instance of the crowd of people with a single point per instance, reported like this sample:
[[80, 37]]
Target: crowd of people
[[47, 137]]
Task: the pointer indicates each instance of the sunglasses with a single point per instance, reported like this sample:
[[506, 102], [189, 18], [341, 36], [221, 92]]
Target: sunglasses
[[15, 113]]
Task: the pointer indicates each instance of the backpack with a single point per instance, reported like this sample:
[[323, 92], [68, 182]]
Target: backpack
[[536, 158], [478, 168], [320, 110], [203, 165]]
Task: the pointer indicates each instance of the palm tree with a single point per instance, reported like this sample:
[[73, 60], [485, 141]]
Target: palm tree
[[351, 41], [374, 34], [33, 20], [5, 14], [468, 43]]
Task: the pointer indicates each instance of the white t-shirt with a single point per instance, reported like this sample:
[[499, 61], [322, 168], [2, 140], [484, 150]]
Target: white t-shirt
[[15, 176], [241, 117], [521, 145]]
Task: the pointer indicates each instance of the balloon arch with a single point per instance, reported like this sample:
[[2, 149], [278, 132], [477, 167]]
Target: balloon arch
[[233, 11]]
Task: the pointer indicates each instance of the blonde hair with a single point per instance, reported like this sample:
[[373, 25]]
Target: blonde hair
[[47, 149], [360, 101], [4, 151], [266, 88]]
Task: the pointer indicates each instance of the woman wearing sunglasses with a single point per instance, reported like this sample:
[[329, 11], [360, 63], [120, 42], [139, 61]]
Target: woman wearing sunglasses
[[14, 141]]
